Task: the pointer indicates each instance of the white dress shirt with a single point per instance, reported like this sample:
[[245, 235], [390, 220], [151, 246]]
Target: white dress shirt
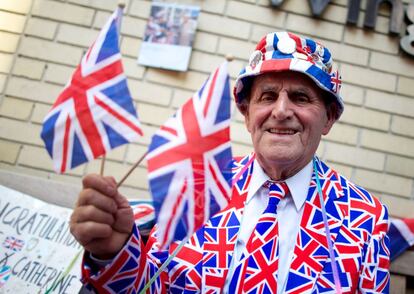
[[289, 212]]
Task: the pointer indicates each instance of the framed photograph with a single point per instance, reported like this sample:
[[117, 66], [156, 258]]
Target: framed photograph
[[169, 36]]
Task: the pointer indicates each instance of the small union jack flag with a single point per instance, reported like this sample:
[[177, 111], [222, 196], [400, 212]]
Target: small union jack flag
[[336, 81], [13, 243], [189, 161], [94, 113]]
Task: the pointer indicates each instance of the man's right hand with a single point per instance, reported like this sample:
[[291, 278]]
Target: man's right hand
[[102, 219]]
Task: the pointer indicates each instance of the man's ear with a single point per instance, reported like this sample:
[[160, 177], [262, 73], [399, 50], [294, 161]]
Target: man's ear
[[244, 109], [331, 113]]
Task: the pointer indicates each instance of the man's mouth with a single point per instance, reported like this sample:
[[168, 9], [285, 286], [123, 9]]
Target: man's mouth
[[281, 131]]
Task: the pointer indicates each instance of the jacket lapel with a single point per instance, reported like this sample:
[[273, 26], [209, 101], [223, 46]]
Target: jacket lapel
[[221, 233], [311, 250]]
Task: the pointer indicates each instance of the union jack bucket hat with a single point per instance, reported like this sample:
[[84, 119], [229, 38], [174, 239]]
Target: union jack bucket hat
[[283, 51]]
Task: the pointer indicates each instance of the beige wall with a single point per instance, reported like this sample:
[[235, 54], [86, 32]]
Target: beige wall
[[42, 41]]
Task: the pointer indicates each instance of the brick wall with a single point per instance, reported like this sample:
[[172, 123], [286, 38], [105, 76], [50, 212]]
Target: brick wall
[[42, 41]]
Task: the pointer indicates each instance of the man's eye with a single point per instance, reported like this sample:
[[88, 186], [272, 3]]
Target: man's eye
[[301, 98], [267, 97]]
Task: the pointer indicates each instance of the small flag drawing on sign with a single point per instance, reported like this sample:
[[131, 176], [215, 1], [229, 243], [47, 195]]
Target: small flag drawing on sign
[[13, 244]]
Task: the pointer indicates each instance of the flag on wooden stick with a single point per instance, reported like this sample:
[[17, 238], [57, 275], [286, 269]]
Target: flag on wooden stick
[[189, 161], [94, 113]]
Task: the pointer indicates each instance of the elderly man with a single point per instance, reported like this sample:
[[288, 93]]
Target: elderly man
[[293, 224]]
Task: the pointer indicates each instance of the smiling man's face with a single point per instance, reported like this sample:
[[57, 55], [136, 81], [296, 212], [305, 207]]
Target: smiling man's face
[[286, 117]]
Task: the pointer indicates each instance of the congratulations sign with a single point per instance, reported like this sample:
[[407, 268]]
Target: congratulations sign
[[37, 252]]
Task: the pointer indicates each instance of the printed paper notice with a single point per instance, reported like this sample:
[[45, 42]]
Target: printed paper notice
[[169, 36]]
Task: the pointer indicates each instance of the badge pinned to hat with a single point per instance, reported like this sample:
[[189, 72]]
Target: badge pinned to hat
[[255, 58], [286, 45], [283, 51]]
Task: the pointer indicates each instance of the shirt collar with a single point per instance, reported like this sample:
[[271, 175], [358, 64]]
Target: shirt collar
[[298, 184]]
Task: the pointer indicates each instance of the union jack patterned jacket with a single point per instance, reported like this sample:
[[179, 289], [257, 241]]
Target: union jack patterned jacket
[[358, 224]]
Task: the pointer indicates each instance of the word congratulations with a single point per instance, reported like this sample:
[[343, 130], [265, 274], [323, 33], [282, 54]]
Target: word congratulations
[[41, 225]]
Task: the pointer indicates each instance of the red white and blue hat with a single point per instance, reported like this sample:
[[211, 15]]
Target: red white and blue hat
[[282, 51]]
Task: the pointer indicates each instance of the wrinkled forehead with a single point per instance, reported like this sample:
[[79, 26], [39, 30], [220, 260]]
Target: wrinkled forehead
[[288, 80]]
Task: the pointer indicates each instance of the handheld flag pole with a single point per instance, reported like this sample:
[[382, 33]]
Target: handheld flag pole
[[101, 172], [131, 169], [121, 6]]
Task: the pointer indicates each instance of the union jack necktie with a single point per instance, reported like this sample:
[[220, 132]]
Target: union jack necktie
[[263, 246]]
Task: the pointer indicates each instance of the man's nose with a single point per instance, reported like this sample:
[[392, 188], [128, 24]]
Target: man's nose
[[282, 107]]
